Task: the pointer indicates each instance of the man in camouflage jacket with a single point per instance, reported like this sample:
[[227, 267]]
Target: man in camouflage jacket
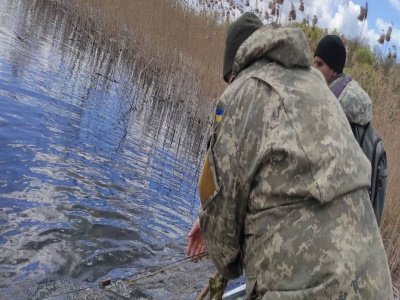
[[287, 199], [330, 59]]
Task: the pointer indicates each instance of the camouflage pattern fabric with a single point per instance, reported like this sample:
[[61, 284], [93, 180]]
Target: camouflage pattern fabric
[[217, 286], [290, 202], [356, 103]]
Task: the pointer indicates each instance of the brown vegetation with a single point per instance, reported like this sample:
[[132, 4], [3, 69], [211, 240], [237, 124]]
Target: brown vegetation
[[166, 40], [163, 38]]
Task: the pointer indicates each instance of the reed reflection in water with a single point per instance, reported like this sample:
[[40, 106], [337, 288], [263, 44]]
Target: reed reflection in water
[[98, 168]]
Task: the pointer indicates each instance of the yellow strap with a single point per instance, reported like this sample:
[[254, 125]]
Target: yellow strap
[[206, 182]]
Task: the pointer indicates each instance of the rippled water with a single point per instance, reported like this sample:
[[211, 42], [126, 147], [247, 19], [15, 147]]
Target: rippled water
[[97, 174]]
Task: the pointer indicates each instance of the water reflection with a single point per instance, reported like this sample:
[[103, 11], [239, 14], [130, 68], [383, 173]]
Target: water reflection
[[97, 175]]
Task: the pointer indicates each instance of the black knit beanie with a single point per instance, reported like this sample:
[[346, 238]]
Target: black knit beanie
[[238, 32], [332, 51]]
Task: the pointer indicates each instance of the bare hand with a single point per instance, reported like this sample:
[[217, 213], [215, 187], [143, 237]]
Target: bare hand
[[196, 244]]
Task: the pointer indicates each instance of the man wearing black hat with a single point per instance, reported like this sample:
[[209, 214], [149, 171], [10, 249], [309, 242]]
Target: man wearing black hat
[[330, 58], [283, 187]]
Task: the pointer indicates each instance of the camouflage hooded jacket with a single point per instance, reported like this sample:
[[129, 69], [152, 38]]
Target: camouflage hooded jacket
[[356, 103], [288, 197]]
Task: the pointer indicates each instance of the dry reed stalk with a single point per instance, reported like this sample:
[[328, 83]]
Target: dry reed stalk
[[381, 39], [362, 17], [314, 21], [292, 12], [394, 49], [388, 34], [301, 6], [363, 12]]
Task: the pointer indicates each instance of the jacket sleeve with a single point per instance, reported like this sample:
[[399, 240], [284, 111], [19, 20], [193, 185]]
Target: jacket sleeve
[[228, 169]]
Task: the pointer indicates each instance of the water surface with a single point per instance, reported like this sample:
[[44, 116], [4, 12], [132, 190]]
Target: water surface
[[97, 172]]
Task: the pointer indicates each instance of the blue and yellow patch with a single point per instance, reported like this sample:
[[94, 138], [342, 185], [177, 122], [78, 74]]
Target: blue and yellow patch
[[219, 113]]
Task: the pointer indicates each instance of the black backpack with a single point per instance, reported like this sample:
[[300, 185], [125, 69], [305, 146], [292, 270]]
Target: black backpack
[[373, 148]]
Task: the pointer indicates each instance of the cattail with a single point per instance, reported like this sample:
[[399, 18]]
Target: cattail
[[292, 12], [247, 2], [306, 21], [314, 20], [280, 2], [389, 54], [301, 7], [361, 16], [388, 34], [292, 8], [381, 39], [363, 12], [266, 15]]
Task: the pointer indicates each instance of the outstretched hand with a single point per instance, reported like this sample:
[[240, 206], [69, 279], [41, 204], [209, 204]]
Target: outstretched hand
[[196, 244]]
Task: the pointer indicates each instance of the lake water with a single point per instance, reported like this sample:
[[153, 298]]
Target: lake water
[[98, 175]]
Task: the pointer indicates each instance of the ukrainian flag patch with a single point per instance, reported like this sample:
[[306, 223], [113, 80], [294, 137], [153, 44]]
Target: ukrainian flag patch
[[219, 113]]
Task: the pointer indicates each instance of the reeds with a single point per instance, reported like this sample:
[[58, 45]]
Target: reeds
[[163, 38], [301, 6], [292, 13], [275, 7], [381, 39], [362, 17], [314, 21], [363, 12], [385, 93], [388, 34], [385, 37]]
